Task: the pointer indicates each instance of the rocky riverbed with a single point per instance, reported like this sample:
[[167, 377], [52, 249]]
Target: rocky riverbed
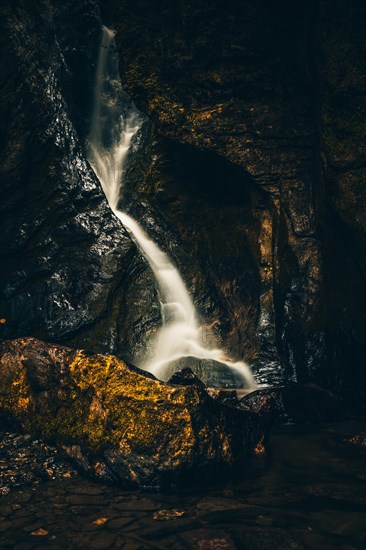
[[26, 462], [308, 492]]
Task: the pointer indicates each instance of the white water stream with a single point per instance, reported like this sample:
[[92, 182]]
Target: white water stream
[[113, 127]]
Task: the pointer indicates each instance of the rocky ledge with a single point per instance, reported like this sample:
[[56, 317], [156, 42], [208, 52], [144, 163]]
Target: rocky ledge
[[118, 423]]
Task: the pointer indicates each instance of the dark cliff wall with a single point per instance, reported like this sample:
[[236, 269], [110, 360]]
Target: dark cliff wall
[[251, 176], [67, 266], [277, 88], [343, 150]]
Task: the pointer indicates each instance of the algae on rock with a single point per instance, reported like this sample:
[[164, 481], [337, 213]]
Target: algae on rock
[[116, 421]]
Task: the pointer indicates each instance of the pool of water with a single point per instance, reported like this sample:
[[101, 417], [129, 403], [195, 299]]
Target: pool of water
[[308, 491]]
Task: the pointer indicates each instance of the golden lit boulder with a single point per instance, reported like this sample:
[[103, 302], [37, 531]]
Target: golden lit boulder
[[118, 422]]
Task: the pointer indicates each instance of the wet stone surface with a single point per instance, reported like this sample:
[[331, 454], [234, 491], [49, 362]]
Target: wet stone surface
[[26, 461], [308, 492]]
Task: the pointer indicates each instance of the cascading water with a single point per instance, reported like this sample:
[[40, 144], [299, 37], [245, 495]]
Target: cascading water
[[115, 122]]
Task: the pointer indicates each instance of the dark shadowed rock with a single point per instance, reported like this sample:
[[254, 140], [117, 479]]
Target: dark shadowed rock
[[311, 403], [277, 90], [226, 397], [116, 423], [185, 377], [70, 272], [266, 402], [295, 403]]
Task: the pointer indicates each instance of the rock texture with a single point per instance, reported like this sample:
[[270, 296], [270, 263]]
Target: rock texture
[[27, 462], [237, 80], [343, 149], [116, 422], [67, 265], [277, 89], [295, 403], [250, 176]]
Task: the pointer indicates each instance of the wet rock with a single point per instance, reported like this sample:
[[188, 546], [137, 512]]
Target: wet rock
[[226, 397], [119, 424], [170, 527], [263, 538], [227, 99], [209, 539], [268, 403], [119, 523], [256, 187], [214, 510], [210, 373], [70, 272], [185, 377], [166, 515], [25, 461], [295, 403], [358, 440], [343, 116], [311, 403], [280, 96]]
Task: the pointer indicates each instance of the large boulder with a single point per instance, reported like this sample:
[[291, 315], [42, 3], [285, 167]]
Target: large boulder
[[116, 421], [298, 403], [211, 373]]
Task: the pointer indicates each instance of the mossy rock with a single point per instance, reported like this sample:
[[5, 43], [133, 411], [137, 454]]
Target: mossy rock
[[118, 422]]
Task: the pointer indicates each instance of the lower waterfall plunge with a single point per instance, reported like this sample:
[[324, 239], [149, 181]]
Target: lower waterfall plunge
[[115, 122]]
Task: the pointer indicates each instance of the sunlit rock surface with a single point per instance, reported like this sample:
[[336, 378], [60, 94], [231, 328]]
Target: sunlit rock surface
[[117, 422]]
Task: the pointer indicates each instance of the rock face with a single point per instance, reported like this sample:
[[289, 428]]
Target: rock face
[[277, 89], [67, 264], [236, 81], [116, 422], [343, 142], [250, 176]]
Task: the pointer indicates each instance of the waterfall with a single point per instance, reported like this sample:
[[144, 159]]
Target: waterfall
[[115, 122]]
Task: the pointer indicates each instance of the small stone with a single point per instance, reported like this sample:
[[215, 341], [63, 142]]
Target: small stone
[[164, 515], [202, 539], [6, 510], [32, 527], [24, 546], [358, 440], [39, 532], [101, 521]]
